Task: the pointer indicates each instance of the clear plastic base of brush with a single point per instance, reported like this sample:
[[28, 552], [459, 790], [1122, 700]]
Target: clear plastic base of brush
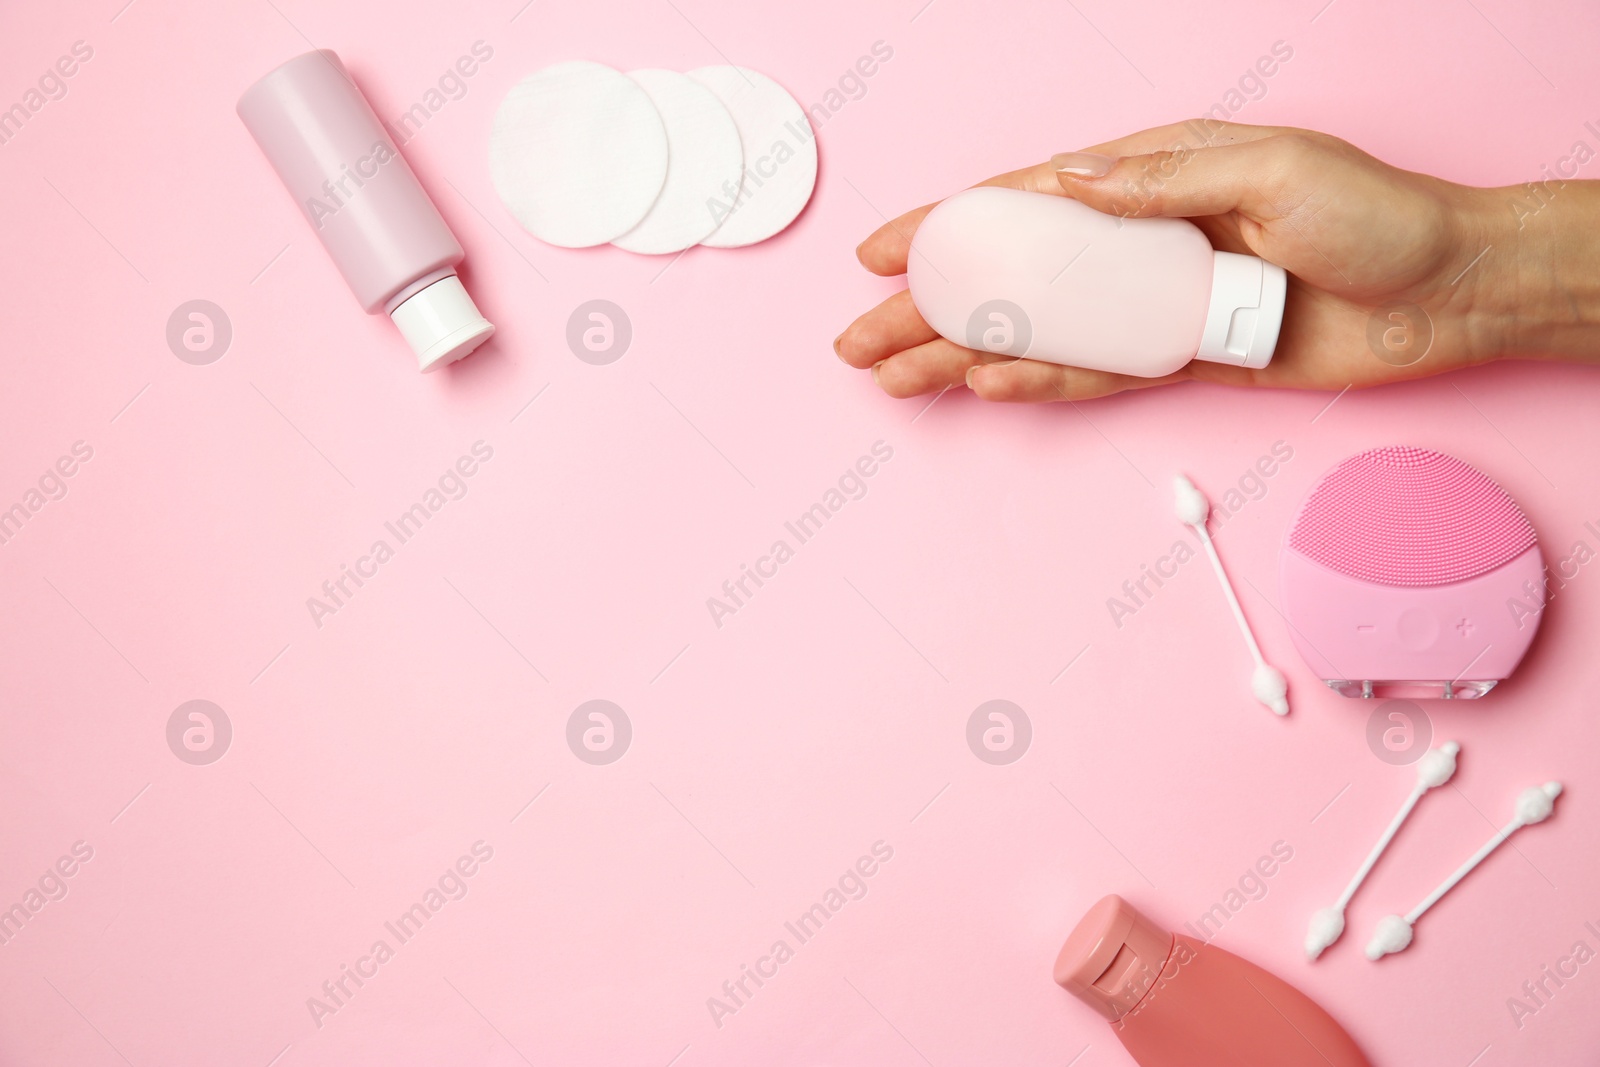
[[1369, 689]]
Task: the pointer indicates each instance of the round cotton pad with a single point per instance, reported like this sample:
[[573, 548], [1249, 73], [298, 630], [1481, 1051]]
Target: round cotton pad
[[703, 165], [780, 155], [578, 154]]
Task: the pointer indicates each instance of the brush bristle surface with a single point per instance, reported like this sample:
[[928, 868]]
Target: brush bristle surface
[[1408, 516]]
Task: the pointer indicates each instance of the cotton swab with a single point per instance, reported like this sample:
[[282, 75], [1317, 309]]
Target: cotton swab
[[1267, 683], [1434, 769], [1393, 932]]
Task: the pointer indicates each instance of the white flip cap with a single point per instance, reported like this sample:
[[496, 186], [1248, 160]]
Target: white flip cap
[[1246, 312], [441, 323]]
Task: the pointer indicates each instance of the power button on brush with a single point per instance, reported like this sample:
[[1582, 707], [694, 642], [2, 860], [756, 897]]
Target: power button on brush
[[1418, 629]]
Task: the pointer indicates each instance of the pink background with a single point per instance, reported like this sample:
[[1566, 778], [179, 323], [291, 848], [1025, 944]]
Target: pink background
[[830, 712]]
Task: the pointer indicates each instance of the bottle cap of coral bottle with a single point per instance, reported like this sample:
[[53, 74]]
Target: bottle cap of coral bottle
[[1112, 957], [1245, 313]]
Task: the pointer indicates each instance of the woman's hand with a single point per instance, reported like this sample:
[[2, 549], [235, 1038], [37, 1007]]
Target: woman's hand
[[1366, 245]]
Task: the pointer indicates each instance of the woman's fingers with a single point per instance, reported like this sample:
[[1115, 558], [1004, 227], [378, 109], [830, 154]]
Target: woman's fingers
[[1028, 381], [893, 326], [885, 251], [940, 364], [908, 359], [1191, 133], [927, 368], [1181, 182]]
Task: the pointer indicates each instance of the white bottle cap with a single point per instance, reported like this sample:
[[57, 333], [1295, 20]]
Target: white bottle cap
[[441, 323], [1246, 311]]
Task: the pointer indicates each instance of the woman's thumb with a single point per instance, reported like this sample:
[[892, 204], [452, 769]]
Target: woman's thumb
[[1182, 182]]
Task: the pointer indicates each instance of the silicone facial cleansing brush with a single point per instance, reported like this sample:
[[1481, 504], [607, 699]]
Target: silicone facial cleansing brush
[[1401, 573]]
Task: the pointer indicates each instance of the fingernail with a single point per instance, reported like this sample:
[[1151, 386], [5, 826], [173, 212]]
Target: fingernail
[[836, 341], [875, 367], [971, 371], [1082, 164]]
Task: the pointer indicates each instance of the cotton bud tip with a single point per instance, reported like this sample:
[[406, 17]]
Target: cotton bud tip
[[1191, 504], [1536, 803], [1326, 926], [1392, 935], [1438, 765], [1271, 688]]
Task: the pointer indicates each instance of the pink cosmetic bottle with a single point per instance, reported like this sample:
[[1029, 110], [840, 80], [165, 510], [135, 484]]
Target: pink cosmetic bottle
[[1045, 277], [384, 234], [1177, 1002]]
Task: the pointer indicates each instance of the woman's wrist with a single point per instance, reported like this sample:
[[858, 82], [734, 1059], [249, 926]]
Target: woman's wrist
[[1533, 291]]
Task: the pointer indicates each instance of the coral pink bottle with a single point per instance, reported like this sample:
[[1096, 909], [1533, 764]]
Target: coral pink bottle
[[1177, 1002], [364, 202]]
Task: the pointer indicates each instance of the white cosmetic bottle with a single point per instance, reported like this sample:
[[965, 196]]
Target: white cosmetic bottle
[[1048, 278]]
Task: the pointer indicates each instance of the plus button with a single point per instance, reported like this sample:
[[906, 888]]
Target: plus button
[[1465, 626]]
